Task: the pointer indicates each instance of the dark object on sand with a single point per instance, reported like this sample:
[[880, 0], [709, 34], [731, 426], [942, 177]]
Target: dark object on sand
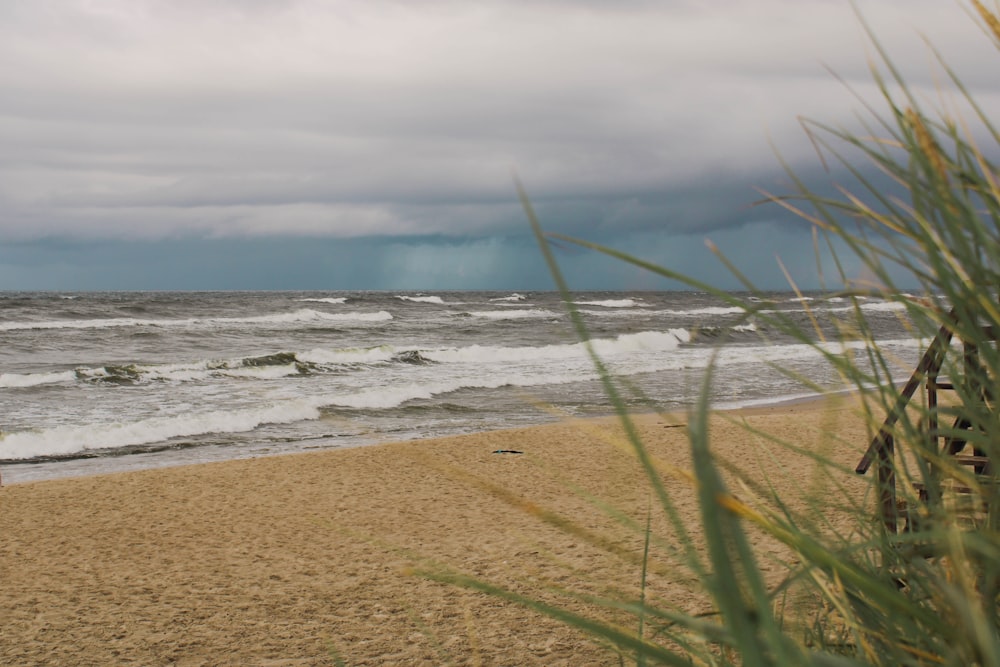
[[506, 451]]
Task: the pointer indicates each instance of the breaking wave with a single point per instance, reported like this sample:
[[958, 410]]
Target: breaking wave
[[611, 303], [513, 297], [533, 313], [422, 299], [451, 370], [304, 315], [330, 299]]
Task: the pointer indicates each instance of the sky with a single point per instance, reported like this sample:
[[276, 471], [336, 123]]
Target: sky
[[374, 144]]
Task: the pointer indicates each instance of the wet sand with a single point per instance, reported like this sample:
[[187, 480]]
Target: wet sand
[[307, 558]]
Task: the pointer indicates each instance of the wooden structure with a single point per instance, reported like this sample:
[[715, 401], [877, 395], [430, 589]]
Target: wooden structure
[[899, 515]]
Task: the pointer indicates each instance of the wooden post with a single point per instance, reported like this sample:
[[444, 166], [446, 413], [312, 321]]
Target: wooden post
[[887, 485], [881, 451]]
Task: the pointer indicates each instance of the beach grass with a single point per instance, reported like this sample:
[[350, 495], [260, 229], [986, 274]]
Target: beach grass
[[911, 582]]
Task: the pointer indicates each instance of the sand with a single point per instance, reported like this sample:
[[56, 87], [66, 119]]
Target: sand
[[301, 559]]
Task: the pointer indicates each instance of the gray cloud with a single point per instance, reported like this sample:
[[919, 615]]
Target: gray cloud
[[156, 120]]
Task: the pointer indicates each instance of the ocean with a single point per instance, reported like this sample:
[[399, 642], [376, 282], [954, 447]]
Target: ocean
[[92, 383]]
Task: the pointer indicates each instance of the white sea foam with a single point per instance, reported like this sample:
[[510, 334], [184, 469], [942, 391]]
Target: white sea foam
[[619, 313], [533, 313], [301, 315], [392, 396], [12, 380], [475, 354], [644, 352], [707, 310], [179, 372], [766, 402], [874, 306], [166, 372], [372, 355], [66, 440], [883, 306], [307, 315], [243, 368], [229, 363], [799, 351], [69, 440], [659, 341], [513, 297], [192, 372], [422, 299], [330, 299], [383, 398], [611, 303], [262, 372]]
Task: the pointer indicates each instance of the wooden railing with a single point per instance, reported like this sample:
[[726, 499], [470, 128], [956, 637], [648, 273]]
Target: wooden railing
[[881, 450]]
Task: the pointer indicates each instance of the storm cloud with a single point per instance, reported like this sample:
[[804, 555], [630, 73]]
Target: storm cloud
[[387, 132]]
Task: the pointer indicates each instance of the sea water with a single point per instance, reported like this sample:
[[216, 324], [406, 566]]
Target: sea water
[[100, 382]]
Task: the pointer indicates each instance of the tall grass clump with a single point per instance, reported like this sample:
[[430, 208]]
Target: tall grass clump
[[913, 580]]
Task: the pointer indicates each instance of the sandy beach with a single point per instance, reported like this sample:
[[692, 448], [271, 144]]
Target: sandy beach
[[301, 559]]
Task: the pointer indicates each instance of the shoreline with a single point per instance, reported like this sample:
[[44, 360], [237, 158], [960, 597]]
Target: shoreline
[[280, 560], [27, 472]]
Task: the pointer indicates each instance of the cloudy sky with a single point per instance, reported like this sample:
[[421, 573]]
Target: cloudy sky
[[370, 144]]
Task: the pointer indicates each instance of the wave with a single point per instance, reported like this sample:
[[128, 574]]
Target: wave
[[91, 324], [319, 360], [645, 352], [383, 398], [737, 310], [266, 372], [513, 297], [621, 313], [871, 306], [330, 299], [715, 332], [69, 440], [273, 366], [74, 441], [307, 315], [266, 367], [303, 315], [707, 310], [15, 380], [649, 341], [422, 299], [533, 313], [611, 303], [348, 356], [884, 306]]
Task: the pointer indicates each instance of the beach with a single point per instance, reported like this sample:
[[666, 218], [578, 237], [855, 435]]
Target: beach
[[311, 558]]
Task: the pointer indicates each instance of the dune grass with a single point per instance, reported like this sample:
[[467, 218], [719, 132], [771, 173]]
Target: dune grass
[[876, 594]]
